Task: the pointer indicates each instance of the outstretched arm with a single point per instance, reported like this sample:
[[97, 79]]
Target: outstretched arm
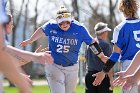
[[36, 35], [96, 49], [10, 69], [25, 56]]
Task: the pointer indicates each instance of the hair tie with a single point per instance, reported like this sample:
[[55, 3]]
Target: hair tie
[[128, 3]]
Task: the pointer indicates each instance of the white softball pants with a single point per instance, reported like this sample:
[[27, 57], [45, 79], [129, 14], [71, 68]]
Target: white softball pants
[[62, 79]]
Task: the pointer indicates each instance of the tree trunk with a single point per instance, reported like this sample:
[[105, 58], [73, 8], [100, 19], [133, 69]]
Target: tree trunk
[[75, 9], [16, 19], [35, 25]]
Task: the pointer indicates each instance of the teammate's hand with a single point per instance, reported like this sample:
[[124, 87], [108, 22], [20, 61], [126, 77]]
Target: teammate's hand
[[127, 82], [27, 77], [99, 78], [25, 43], [40, 49], [119, 81], [130, 83], [43, 58]]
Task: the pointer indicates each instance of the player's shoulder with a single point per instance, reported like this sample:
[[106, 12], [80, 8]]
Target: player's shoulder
[[51, 22], [120, 26], [78, 25]]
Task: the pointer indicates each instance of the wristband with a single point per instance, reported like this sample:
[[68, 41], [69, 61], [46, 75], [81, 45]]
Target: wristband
[[96, 49], [109, 64]]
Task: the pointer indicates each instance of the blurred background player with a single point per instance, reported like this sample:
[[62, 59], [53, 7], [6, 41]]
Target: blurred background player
[[95, 64]]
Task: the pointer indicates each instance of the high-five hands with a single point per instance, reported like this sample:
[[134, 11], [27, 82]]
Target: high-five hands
[[126, 82]]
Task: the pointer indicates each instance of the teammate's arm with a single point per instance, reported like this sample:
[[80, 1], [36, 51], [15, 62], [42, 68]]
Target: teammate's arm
[[109, 64], [113, 59], [96, 49], [25, 57], [9, 69], [36, 35]]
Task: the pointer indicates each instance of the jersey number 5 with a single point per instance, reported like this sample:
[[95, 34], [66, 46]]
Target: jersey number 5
[[136, 34], [62, 48]]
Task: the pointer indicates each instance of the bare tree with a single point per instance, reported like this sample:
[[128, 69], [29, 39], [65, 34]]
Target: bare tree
[[25, 22], [112, 17], [75, 9], [35, 23], [112, 7], [102, 16], [16, 19], [28, 67]]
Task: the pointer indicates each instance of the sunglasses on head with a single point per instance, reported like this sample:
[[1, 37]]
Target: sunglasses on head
[[64, 15]]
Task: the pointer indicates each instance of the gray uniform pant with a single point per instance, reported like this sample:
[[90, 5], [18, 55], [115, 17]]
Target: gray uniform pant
[[62, 79], [125, 64]]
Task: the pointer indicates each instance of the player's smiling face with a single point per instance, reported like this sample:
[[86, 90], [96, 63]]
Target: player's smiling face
[[65, 25]]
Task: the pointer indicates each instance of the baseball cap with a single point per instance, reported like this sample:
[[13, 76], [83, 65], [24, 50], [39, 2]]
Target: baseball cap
[[101, 27]]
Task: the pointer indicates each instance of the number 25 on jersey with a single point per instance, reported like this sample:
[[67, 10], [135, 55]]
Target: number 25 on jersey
[[62, 48]]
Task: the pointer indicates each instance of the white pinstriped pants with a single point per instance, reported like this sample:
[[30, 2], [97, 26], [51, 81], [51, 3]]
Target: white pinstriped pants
[[125, 64], [62, 79]]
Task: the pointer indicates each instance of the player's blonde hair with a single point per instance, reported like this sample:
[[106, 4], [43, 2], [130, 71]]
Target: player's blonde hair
[[62, 10], [129, 8]]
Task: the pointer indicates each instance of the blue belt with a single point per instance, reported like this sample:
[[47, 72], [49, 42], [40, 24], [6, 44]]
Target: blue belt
[[65, 65]]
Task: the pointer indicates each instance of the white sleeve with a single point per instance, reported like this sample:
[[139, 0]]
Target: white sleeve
[[116, 32], [115, 36]]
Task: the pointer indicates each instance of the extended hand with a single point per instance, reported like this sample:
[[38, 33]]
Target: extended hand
[[119, 81], [43, 58], [25, 43], [99, 78], [40, 49], [127, 82]]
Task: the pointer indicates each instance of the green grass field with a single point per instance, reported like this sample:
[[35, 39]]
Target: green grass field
[[45, 89]]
